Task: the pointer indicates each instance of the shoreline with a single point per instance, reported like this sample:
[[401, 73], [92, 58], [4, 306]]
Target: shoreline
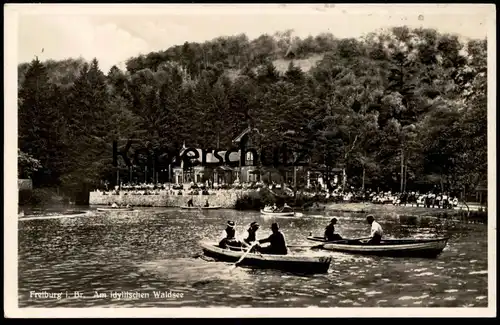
[[366, 207]]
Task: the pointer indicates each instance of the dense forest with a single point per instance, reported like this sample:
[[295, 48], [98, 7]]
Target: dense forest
[[397, 109]]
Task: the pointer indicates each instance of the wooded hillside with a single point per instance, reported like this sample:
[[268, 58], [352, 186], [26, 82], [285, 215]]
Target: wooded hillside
[[411, 99]]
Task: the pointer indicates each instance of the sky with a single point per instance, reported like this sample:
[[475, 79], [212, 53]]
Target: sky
[[113, 33]]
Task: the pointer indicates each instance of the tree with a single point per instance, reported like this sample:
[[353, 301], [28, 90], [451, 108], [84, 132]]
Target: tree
[[41, 128], [26, 164], [393, 108], [89, 122], [294, 74]]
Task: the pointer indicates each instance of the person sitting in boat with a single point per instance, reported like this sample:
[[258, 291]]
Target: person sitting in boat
[[206, 204], [330, 234], [250, 237], [190, 202], [276, 240], [274, 208], [114, 205], [376, 231], [229, 236]]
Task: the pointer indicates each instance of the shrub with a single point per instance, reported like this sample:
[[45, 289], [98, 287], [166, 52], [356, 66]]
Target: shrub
[[25, 197], [39, 197], [254, 200], [247, 202]]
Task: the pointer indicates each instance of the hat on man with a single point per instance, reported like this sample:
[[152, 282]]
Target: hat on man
[[334, 220], [275, 226], [230, 224], [254, 224]]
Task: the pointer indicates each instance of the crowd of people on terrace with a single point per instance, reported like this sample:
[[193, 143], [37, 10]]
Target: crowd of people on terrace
[[189, 188], [434, 199]]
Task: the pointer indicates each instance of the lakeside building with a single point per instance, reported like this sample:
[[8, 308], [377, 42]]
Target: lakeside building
[[234, 171]]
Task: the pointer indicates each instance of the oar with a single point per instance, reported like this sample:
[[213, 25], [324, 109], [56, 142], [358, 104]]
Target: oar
[[304, 246], [329, 242], [242, 257], [346, 240], [307, 246]]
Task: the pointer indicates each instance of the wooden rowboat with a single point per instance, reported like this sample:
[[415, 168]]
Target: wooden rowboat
[[115, 209], [278, 214], [286, 212], [292, 263], [203, 208], [389, 247]]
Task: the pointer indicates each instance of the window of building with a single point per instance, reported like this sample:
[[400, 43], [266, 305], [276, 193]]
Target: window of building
[[249, 158]]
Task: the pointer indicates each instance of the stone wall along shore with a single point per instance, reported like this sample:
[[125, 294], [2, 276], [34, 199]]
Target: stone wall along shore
[[225, 199]]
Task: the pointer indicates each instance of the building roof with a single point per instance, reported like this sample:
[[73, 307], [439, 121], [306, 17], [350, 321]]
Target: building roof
[[241, 135]]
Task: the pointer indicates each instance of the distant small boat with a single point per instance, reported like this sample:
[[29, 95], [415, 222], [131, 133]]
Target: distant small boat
[[431, 247], [290, 262], [114, 209], [285, 212], [202, 208]]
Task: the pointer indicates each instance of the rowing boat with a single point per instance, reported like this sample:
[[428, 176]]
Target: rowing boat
[[291, 263], [285, 212], [115, 209], [277, 214], [431, 247], [203, 208]]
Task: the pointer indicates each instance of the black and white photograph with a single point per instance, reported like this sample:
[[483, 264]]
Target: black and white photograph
[[301, 160]]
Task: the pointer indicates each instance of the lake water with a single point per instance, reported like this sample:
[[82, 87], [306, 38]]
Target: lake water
[[156, 250]]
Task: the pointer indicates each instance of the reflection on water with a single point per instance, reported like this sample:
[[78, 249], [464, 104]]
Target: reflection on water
[[151, 258]]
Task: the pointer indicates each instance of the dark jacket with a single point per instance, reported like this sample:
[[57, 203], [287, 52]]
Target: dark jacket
[[329, 231], [251, 236], [277, 241], [330, 234], [229, 239], [230, 233]]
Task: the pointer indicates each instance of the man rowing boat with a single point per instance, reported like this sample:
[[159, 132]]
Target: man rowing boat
[[376, 231], [276, 240]]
